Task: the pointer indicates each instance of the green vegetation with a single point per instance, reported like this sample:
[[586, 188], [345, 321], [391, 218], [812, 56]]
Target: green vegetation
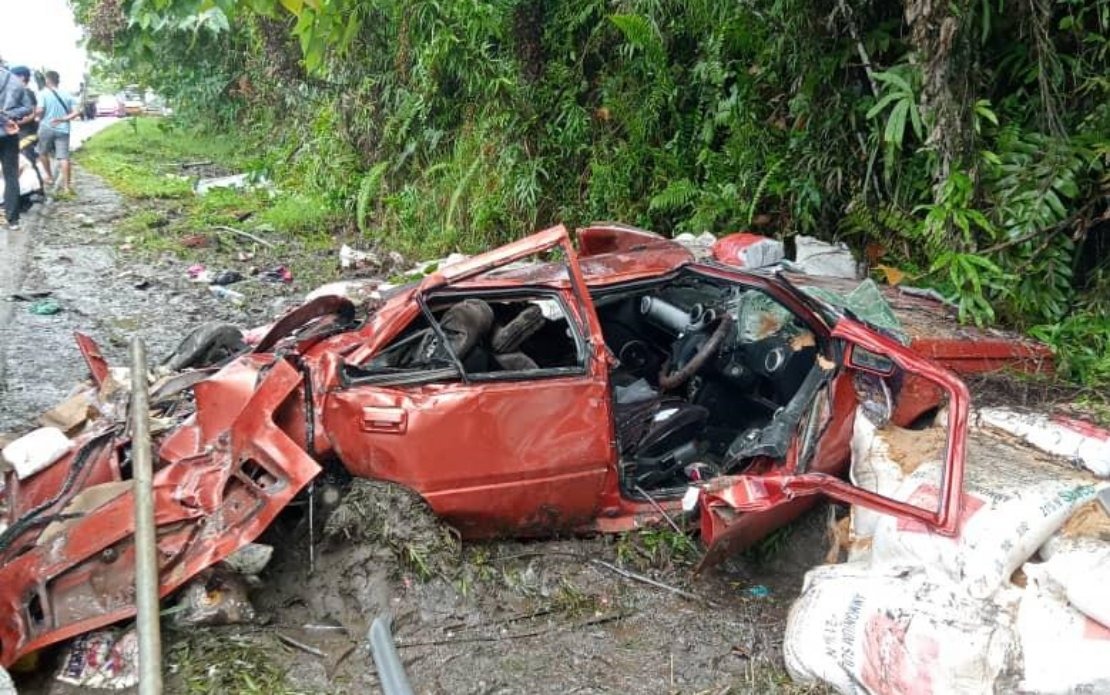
[[964, 143], [206, 662], [142, 158], [156, 163], [656, 548]]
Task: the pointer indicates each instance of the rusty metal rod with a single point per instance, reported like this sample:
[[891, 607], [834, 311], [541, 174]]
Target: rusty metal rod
[[146, 548]]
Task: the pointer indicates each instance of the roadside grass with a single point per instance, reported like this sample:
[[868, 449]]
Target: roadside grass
[[142, 157], [213, 662], [656, 547], [155, 163]]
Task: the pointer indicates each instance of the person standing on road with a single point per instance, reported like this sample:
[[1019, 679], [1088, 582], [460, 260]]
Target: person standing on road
[[13, 107], [57, 110], [29, 127]]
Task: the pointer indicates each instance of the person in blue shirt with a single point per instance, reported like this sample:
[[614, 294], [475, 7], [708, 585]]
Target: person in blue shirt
[[14, 106], [57, 109]]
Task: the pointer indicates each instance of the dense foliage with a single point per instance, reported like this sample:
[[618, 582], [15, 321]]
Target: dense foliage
[[964, 143]]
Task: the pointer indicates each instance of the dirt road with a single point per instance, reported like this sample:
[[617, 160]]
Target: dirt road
[[507, 617]]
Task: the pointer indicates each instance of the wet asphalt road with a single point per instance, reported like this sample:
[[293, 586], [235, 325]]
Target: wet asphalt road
[[70, 249], [14, 249]]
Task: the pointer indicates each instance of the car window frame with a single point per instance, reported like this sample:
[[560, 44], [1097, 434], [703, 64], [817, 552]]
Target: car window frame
[[523, 293], [457, 372]]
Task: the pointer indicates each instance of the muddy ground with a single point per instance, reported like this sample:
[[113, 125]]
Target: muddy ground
[[538, 617]]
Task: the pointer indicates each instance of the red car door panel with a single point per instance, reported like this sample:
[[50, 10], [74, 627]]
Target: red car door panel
[[489, 458], [493, 456]]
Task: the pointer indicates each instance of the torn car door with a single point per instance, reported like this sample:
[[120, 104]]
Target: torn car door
[[522, 450], [725, 501]]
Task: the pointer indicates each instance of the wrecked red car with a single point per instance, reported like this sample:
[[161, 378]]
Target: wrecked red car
[[531, 390]]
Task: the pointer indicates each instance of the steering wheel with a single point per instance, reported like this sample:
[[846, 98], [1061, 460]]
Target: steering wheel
[[669, 380]]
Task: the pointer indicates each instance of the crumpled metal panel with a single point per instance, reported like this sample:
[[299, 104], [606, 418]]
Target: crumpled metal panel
[[206, 507]]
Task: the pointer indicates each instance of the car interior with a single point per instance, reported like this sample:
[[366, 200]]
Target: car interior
[[704, 367]]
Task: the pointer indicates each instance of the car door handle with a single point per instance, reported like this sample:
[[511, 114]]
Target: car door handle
[[378, 419]]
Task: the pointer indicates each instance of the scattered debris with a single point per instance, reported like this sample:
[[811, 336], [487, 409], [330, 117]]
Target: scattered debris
[[195, 241], [226, 277], [221, 292], [106, 659], [29, 295], [45, 307], [70, 414], [216, 597], [247, 235], [203, 186], [747, 250], [758, 591], [816, 257], [36, 450], [354, 259], [286, 639], [635, 576], [278, 274]]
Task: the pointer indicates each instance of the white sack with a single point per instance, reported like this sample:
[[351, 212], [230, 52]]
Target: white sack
[[36, 450], [1077, 560], [1081, 442], [897, 631], [816, 257], [1012, 504], [1063, 650], [881, 459]]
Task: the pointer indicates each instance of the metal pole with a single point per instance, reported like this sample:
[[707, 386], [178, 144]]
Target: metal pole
[[146, 549]]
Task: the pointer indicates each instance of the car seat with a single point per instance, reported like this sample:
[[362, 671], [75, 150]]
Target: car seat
[[658, 437], [506, 340]]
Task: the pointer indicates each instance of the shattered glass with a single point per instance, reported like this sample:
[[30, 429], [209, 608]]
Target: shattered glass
[[867, 303], [758, 316]]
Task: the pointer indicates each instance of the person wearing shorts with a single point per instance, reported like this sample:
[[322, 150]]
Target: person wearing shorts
[[57, 109]]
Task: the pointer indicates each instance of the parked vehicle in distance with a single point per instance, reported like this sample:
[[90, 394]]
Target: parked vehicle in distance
[[156, 106], [109, 105], [132, 103]]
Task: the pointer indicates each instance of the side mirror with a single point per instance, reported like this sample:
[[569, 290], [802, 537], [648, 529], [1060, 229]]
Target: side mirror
[[861, 358]]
